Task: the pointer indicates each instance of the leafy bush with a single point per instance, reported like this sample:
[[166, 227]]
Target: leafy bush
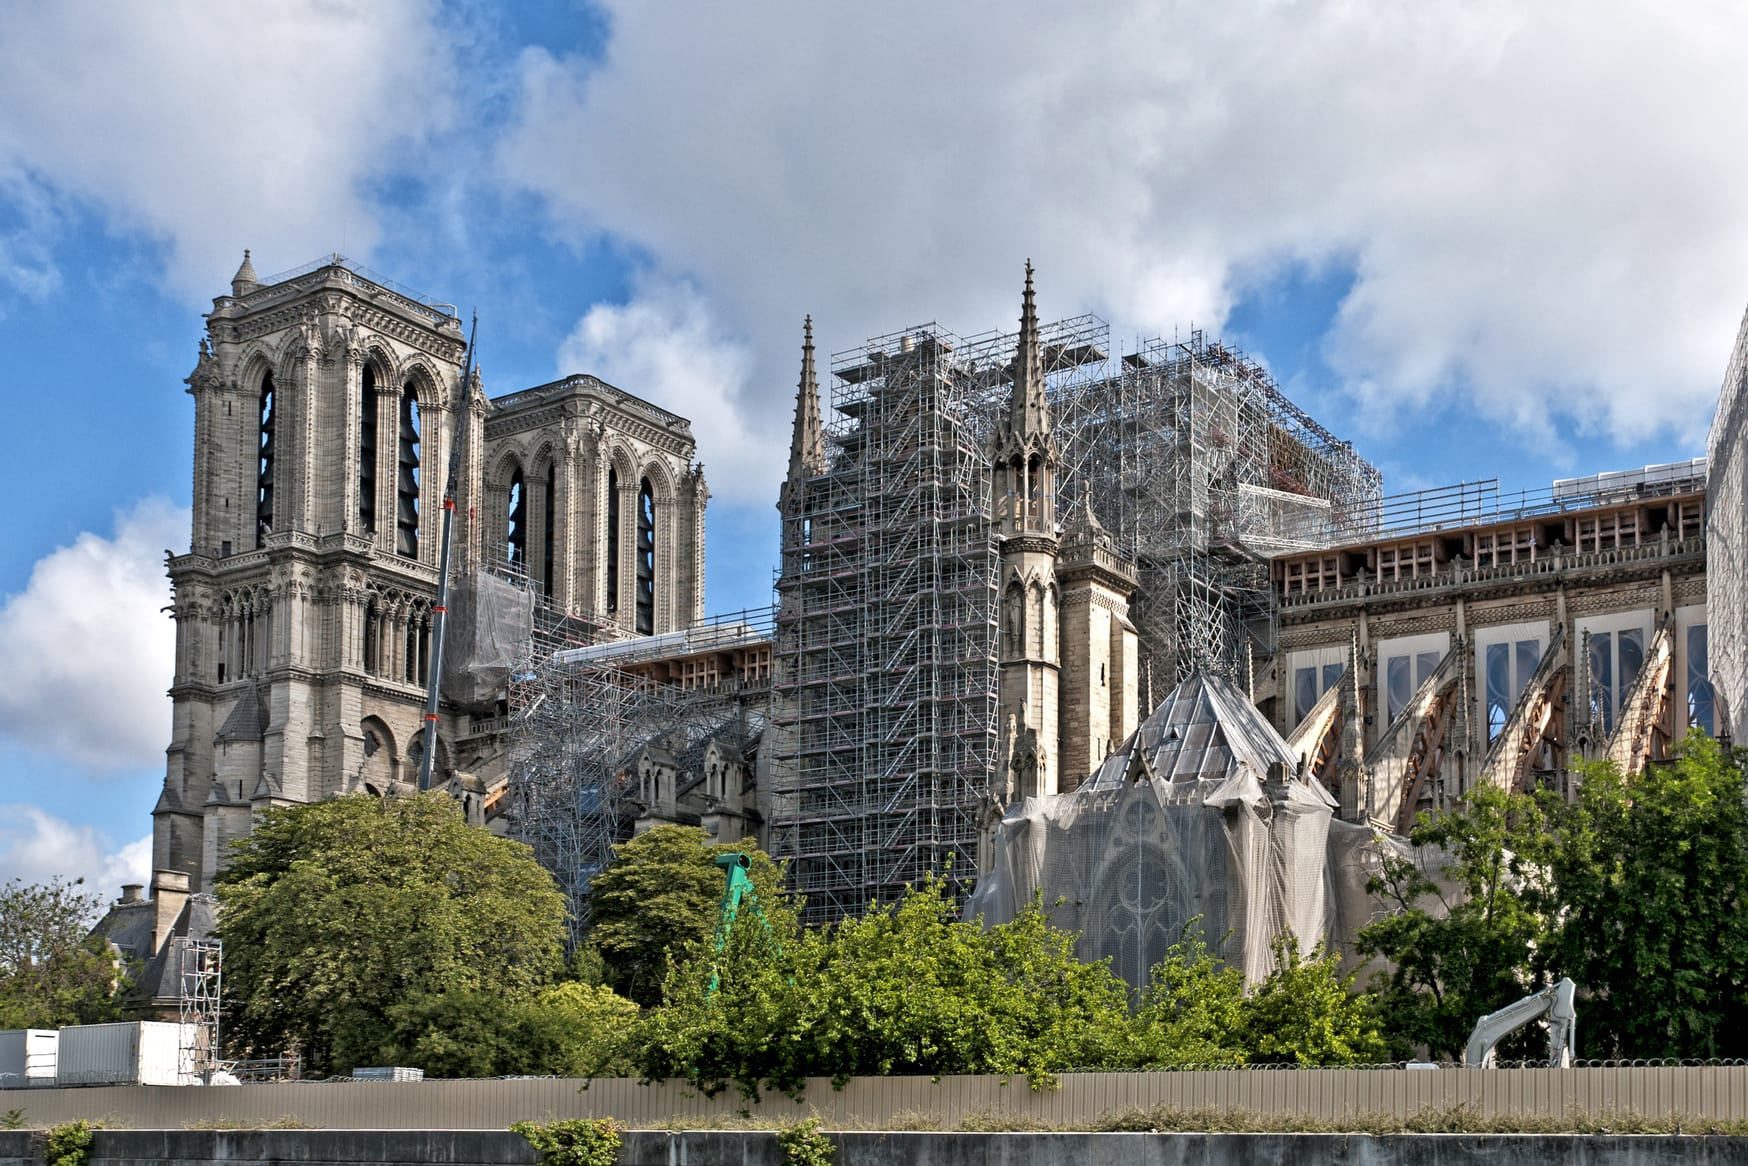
[[69, 1144], [904, 989], [804, 1144], [576, 1142]]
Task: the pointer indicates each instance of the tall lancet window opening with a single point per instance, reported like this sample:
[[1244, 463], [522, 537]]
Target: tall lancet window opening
[[646, 542], [1010, 495], [264, 461], [546, 507], [1035, 486], [516, 539], [612, 541], [407, 483], [367, 451]]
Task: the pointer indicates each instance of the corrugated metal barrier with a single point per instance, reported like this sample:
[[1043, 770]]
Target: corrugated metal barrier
[[1700, 1092]]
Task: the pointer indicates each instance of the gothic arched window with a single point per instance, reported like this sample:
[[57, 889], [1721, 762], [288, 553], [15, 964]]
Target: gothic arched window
[[516, 538], [407, 482], [612, 541], [646, 543], [546, 528], [367, 451], [264, 461], [1035, 487]]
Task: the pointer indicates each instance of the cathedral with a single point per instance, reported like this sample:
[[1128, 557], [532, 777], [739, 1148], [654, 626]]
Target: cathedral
[[325, 407]]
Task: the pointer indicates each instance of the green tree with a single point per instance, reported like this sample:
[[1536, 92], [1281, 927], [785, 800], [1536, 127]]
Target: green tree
[[1068, 1014], [1305, 1012], [335, 913], [52, 970], [1464, 949], [659, 900], [759, 1029], [1192, 1010], [1651, 875], [569, 1030], [588, 1030], [905, 988]]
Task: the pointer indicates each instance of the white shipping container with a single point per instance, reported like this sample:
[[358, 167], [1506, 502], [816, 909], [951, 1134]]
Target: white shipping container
[[142, 1052], [27, 1057]]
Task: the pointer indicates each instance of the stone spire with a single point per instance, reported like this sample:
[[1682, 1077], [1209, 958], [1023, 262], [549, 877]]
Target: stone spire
[[1082, 525], [1028, 412], [807, 445], [245, 281]]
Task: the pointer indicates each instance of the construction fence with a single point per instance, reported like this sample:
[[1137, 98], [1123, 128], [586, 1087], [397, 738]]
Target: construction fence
[[1703, 1093]]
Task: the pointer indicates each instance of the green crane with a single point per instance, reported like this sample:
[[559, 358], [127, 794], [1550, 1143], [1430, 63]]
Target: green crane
[[738, 891]]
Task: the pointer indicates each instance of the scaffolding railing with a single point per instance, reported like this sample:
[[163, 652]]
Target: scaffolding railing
[[1461, 504]]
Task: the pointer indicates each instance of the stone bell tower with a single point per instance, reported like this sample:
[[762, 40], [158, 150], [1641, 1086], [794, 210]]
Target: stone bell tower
[[324, 409]]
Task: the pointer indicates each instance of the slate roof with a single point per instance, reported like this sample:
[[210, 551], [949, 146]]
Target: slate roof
[[248, 719], [1204, 742]]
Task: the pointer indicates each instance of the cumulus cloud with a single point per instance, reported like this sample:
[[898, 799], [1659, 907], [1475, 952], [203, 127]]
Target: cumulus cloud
[[89, 652], [1541, 205], [666, 346], [36, 846], [216, 127]]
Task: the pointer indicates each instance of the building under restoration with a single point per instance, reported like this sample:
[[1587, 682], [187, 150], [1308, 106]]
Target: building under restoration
[[926, 638], [1480, 640]]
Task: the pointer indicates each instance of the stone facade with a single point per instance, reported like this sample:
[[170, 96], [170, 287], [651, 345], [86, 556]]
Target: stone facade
[[1727, 539], [324, 409], [1415, 667], [1101, 683]]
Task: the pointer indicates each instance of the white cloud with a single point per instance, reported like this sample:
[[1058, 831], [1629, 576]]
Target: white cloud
[[36, 846], [216, 127], [1543, 205], [89, 652], [665, 346]]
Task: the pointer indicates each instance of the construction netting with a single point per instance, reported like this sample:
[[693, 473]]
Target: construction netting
[[1201, 815], [491, 621]]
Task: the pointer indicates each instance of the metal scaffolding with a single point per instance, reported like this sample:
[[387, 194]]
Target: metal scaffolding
[[884, 705], [885, 713], [199, 984], [578, 717], [1203, 469]]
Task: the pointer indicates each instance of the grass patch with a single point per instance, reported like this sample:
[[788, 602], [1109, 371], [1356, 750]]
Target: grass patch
[[1460, 1119], [283, 1122]]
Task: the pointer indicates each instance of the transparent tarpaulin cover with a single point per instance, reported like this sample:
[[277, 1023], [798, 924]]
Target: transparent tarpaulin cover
[[490, 623], [1184, 821]]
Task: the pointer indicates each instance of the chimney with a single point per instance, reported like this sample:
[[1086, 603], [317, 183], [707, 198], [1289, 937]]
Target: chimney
[[130, 892], [169, 896]]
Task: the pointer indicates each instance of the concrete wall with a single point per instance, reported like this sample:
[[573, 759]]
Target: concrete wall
[[710, 1148]]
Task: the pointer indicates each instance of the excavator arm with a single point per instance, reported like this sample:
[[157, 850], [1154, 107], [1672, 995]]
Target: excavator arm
[[1555, 1002]]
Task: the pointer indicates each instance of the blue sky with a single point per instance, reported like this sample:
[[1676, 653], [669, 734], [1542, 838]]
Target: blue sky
[[1478, 239]]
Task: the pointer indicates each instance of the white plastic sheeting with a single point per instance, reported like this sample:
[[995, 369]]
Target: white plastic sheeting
[[490, 623], [1185, 820]]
